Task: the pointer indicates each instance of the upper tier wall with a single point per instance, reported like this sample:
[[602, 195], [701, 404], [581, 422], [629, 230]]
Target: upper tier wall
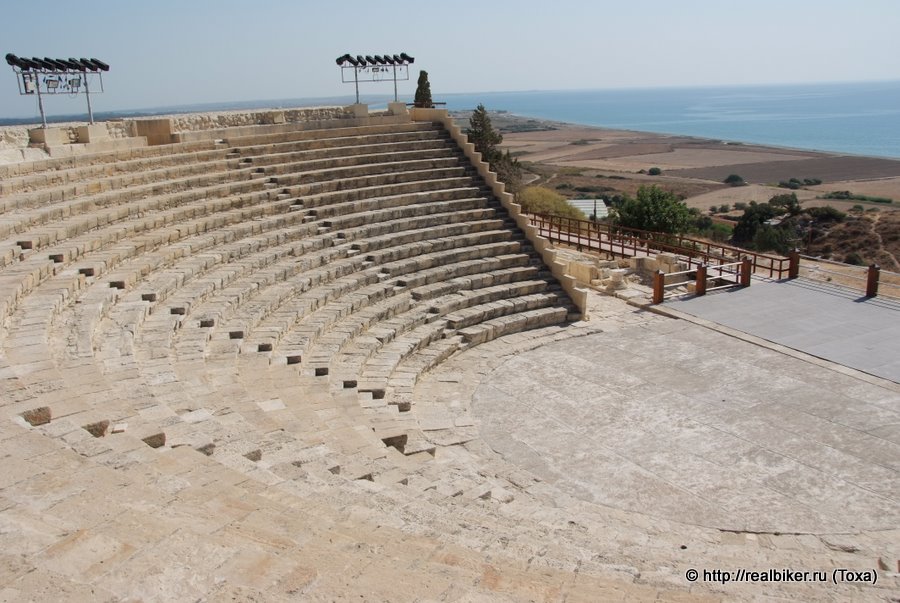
[[28, 143]]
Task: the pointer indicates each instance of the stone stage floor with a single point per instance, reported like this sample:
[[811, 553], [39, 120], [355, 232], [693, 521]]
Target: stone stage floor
[[689, 433]]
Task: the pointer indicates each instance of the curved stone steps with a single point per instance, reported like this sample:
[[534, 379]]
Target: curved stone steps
[[336, 156], [315, 278], [63, 171]]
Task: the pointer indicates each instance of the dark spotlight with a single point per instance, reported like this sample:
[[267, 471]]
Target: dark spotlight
[[100, 64], [407, 58], [360, 60], [55, 64], [352, 61], [86, 63], [12, 60]]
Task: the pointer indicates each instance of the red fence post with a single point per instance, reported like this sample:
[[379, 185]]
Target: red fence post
[[794, 265], [746, 270], [659, 279], [700, 288], [872, 281]]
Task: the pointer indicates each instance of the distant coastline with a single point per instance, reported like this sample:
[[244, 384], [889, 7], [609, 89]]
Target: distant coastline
[[855, 119]]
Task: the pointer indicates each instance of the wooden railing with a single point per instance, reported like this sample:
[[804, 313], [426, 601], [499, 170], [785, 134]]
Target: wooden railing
[[724, 276], [629, 242]]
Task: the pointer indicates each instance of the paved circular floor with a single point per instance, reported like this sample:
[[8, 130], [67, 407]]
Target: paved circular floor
[[690, 425]]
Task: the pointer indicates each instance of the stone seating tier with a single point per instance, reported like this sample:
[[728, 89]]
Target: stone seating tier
[[256, 308]]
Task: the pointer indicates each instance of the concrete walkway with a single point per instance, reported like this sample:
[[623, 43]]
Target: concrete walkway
[[820, 319]]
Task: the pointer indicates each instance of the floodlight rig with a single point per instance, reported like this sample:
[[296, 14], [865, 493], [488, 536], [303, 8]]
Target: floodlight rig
[[56, 76], [375, 68]]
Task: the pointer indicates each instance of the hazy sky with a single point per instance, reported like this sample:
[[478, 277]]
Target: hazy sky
[[167, 52]]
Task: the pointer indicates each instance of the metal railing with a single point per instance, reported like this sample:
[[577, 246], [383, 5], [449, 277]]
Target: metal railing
[[629, 242], [870, 280]]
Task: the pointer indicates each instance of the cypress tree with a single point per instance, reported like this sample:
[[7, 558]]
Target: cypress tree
[[423, 91]]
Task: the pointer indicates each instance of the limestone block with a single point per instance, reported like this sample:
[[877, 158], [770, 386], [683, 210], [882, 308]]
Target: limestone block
[[157, 131], [359, 110], [581, 272], [397, 108], [94, 133], [49, 136]]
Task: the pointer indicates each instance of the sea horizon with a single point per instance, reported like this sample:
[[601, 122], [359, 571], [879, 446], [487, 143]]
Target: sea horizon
[[856, 118]]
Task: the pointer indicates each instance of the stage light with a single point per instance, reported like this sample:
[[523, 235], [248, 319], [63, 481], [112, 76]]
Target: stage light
[[360, 60], [42, 76], [407, 58], [57, 64]]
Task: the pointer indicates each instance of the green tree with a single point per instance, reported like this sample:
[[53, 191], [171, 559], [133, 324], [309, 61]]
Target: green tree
[[769, 238], [423, 91], [755, 215], [786, 202], [654, 209], [481, 133], [486, 139], [508, 171], [734, 180]]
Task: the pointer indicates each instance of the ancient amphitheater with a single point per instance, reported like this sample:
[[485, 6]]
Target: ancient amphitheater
[[295, 360]]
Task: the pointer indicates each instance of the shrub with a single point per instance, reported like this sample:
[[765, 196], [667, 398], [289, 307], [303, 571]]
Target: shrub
[[713, 209], [826, 214], [654, 171], [854, 258], [724, 208], [792, 184], [541, 200], [848, 196], [734, 180], [740, 206]]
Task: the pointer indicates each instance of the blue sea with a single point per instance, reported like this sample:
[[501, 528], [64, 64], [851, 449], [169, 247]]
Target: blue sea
[[858, 118]]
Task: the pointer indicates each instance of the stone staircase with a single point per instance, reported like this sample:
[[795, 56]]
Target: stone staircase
[[237, 324]]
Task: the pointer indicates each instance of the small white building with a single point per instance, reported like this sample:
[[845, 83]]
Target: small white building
[[587, 206]]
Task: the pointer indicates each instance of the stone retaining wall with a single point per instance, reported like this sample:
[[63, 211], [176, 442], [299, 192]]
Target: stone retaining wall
[[192, 122], [16, 145]]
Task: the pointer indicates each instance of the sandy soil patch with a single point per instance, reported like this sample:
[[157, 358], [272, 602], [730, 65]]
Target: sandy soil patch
[[681, 158], [828, 169], [885, 187], [744, 194]]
